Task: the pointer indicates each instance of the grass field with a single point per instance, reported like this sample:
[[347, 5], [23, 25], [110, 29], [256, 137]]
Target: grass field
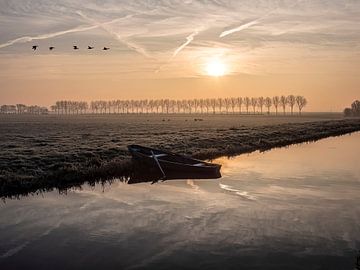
[[42, 152]]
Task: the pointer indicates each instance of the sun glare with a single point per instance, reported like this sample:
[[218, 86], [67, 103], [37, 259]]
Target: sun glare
[[215, 68]]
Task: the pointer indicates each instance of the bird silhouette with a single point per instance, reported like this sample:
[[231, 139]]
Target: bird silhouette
[[105, 49], [90, 48], [75, 47], [51, 48], [35, 47]]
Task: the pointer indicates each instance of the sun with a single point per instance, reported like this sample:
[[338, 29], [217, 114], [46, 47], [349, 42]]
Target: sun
[[215, 68]]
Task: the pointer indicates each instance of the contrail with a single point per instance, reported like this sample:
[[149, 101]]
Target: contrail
[[117, 36], [51, 35], [246, 25], [46, 36], [189, 39], [239, 28]]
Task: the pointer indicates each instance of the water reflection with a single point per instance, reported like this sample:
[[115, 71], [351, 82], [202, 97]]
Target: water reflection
[[294, 208], [328, 169], [298, 160], [142, 174]]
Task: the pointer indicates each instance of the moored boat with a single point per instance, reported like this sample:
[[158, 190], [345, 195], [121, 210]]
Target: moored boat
[[173, 166]]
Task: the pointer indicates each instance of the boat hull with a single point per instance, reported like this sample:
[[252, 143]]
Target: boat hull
[[190, 169]]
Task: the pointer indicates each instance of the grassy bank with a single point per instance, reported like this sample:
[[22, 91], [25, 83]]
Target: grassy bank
[[42, 153]]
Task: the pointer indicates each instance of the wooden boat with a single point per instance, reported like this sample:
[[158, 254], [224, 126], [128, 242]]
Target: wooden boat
[[173, 166]]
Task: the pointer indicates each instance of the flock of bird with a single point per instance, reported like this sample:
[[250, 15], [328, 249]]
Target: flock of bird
[[35, 47]]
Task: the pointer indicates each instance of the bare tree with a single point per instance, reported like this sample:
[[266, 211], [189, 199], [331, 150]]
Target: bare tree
[[213, 105], [355, 108], [151, 106], [301, 102], [227, 104], [20, 108], [233, 103], [202, 105], [93, 107], [268, 104], [103, 106], [190, 104], [260, 103], [53, 108], [283, 103], [178, 106], [118, 105], [291, 100], [184, 105], [172, 105], [196, 105], [276, 102], [247, 102], [207, 105], [157, 105], [239, 102], [254, 102], [220, 104]]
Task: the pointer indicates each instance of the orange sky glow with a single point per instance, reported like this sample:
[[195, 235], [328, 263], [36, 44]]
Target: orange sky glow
[[180, 49]]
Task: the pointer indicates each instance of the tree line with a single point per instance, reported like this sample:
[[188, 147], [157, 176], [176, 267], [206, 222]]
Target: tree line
[[204, 106], [354, 110], [238, 105], [23, 109]]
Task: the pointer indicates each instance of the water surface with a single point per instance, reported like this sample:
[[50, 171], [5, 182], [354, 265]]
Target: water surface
[[292, 208]]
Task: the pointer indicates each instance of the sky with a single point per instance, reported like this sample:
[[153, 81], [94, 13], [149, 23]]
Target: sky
[[163, 49]]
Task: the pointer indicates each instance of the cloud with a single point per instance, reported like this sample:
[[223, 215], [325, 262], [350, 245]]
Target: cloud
[[152, 28]]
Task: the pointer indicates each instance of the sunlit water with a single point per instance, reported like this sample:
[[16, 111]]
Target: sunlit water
[[289, 208]]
